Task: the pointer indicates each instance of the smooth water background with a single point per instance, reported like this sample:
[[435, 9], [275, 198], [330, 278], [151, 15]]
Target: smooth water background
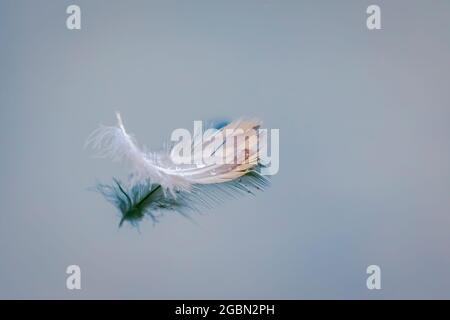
[[364, 119]]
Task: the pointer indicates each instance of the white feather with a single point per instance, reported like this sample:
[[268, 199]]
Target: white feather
[[117, 144]]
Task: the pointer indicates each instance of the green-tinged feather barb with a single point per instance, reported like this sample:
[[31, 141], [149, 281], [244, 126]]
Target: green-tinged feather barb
[[147, 199]]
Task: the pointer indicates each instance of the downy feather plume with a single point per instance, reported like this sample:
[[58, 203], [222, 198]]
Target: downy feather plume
[[156, 184]]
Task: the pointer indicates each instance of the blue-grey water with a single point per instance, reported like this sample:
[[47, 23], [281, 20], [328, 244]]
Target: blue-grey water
[[364, 119]]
